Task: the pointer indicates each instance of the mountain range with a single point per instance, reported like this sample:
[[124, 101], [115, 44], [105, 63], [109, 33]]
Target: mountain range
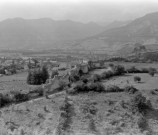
[[142, 30], [48, 34], [43, 33]]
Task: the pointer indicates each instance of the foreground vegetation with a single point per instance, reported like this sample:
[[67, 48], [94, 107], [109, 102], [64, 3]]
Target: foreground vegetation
[[86, 105]]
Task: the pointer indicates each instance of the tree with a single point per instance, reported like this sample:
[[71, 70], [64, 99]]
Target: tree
[[54, 72], [137, 79], [119, 70], [96, 78], [31, 77], [45, 74], [37, 76], [152, 71]]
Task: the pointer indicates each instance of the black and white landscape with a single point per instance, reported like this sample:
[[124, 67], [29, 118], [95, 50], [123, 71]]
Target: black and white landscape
[[78, 67]]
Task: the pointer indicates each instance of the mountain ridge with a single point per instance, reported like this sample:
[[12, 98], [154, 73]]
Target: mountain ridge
[[143, 30], [43, 32]]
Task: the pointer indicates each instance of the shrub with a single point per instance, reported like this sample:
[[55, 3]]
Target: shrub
[[96, 87], [137, 79], [107, 74], [139, 104], [93, 86], [118, 70], [130, 89], [54, 72], [37, 76], [144, 70], [133, 69], [142, 123], [65, 120], [152, 71], [39, 90], [6, 99], [74, 78], [113, 88], [153, 92], [20, 97], [62, 85], [44, 74], [111, 64], [2, 71], [13, 71], [84, 79], [96, 78]]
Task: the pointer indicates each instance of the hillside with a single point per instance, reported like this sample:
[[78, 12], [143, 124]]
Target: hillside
[[41, 33], [143, 30]]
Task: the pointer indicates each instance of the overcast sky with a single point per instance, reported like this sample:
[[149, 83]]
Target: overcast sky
[[77, 10]]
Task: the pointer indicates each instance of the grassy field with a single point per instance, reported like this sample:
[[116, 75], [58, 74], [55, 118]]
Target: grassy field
[[137, 65], [93, 114], [147, 82], [90, 113], [15, 82]]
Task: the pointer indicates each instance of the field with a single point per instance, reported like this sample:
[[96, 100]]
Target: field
[[137, 65], [15, 82], [147, 82], [93, 114], [88, 113]]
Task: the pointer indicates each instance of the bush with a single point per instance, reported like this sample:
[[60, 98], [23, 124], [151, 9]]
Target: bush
[[38, 90], [111, 65], [137, 79], [62, 85], [65, 120], [82, 87], [113, 88], [142, 123], [2, 71], [6, 99], [152, 71], [107, 74], [144, 70], [84, 79], [118, 70], [96, 87], [54, 72], [133, 69], [139, 104], [12, 71], [74, 78], [37, 76], [96, 78], [130, 89], [20, 97]]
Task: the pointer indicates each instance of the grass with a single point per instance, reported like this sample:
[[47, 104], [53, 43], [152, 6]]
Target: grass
[[87, 113], [147, 82], [15, 82], [90, 113]]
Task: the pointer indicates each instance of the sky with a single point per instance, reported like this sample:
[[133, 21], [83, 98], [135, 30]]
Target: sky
[[77, 10]]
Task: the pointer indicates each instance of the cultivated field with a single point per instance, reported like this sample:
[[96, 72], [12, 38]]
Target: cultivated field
[[92, 114], [89, 113], [137, 65], [147, 82], [15, 82]]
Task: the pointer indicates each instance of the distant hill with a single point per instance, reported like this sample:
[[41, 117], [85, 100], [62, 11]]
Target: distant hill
[[142, 30], [45, 33], [116, 24], [48, 34]]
